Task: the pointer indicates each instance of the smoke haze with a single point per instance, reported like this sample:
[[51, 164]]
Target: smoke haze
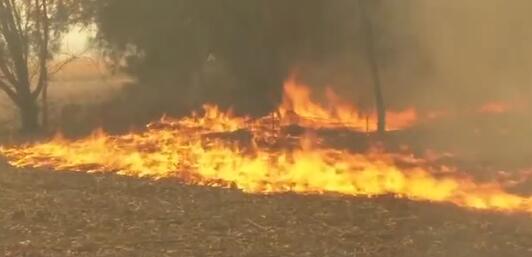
[[441, 54], [433, 55]]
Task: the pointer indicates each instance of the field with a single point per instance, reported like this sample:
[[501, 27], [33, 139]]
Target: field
[[50, 214], [46, 214]]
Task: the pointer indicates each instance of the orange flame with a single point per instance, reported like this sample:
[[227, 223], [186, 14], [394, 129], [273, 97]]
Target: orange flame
[[298, 107], [178, 149], [495, 108], [213, 120]]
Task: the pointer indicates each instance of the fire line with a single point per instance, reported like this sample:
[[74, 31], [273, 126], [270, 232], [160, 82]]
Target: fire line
[[183, 149]]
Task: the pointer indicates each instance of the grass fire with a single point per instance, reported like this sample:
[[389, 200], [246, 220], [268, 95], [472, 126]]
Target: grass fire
[[182, 149], [265, 128]]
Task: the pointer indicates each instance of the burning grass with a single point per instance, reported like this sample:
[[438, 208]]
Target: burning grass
[[182, 149], [157, 208]]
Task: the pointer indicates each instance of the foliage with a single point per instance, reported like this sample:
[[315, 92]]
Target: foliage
[[30, 35], [258, 42]]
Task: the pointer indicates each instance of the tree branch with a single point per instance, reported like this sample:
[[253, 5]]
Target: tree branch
[[67, 61], [43, 26], [17, 23], [10, 92], [15, 43], [5, 69]]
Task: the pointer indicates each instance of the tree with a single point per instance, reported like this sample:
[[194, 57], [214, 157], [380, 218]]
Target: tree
[[374, 67], [166, 43], [30, 32]]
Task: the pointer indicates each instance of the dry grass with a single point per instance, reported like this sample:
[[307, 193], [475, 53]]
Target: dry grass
[[45, 214]]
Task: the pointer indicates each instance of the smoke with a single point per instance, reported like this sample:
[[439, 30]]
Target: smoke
[[432, 55], [453, 56], [456, 54]]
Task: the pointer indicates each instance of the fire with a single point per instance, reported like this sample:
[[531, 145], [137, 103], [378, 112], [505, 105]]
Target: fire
[[502, 107], [185, 149], [213, 120], [495, 108], [298, 107], [181, 149], [402, 120]]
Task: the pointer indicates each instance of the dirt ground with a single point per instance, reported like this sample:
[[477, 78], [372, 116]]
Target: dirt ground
[[46, 214]]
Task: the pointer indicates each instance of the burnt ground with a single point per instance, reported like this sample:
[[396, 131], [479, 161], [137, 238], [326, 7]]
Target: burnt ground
[[46, 214]]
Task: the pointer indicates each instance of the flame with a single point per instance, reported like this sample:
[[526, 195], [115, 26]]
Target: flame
[[183, 149], [298, 107], [180, 149], [212, 120], [495, 108], [402, 120], [517, 105]]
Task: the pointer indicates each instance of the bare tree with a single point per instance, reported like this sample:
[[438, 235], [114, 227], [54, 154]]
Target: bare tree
[[367, 27], [30, 32]]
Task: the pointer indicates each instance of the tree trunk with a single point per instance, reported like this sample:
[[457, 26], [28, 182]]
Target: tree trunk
[[379, 101], [44, 63], [45, 103], [374, 68], [29, 115]]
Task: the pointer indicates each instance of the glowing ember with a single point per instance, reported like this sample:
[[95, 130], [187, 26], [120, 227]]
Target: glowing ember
[[179, 149]]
